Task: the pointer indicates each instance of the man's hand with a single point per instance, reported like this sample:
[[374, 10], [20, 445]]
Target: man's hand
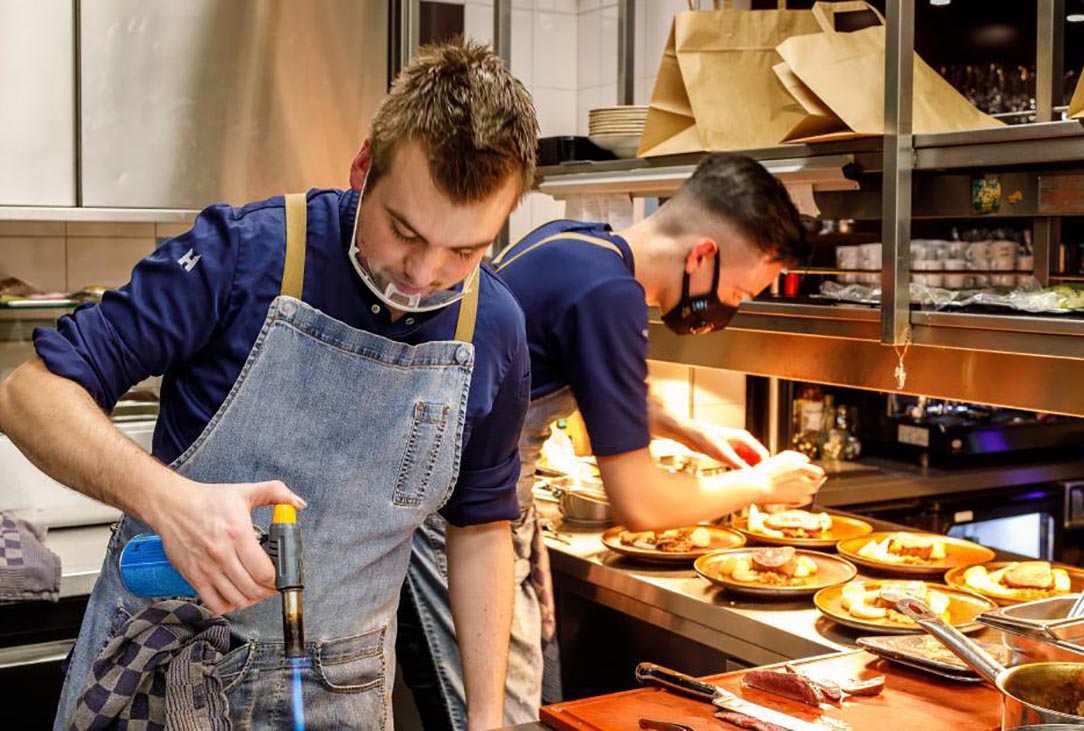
[[788, 478], [733, 447], [207, 533]]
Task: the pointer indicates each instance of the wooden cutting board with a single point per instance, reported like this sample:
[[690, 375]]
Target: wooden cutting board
[[911, 701]]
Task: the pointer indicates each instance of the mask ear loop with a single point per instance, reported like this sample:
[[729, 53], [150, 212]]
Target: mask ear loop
[[715, 277]]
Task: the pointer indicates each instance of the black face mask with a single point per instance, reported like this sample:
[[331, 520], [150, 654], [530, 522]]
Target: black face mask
[[703, 313]]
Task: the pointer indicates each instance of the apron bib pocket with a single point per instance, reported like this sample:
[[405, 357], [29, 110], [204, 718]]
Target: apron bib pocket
[[427, 427]]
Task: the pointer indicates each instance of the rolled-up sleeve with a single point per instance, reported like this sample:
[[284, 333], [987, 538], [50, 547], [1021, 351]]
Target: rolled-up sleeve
[[169, 310], [486, 489]]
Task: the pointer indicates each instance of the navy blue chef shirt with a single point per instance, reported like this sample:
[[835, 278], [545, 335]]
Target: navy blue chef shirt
[[586, 328], [197, 323]]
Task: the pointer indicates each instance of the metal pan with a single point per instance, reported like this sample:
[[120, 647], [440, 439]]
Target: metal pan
[[1045, 692]]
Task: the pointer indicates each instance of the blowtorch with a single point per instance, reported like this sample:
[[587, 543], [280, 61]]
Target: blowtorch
[[146, 572]]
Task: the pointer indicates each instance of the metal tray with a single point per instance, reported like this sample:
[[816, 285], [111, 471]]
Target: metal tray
[[924, 653]]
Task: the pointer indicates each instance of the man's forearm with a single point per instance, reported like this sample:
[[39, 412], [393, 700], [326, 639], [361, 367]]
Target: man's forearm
[[480, 578], [646, 497], [61, 429]]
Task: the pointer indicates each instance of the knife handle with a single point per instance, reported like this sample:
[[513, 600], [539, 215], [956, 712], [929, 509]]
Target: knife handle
[[650, 674]]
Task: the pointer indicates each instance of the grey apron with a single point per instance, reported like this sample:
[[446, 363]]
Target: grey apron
[[368, 431], [541, 414]]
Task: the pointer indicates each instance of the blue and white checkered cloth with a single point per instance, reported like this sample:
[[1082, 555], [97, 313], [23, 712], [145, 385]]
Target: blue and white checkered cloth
[[28, 570], [159, 674]]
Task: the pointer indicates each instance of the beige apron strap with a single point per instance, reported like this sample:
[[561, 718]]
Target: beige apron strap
[[468, 309], [500, 262], [293, 271]]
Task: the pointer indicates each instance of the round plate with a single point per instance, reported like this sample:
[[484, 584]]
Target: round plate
[[958, 552], [963, 608], [720, 538], [843, 527], [831, 570], [955, 577]]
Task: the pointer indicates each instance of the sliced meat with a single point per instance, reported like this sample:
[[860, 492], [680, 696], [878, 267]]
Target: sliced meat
[[742, 721], [780, 560], [1029, 575], [828, 688], [795, 686]]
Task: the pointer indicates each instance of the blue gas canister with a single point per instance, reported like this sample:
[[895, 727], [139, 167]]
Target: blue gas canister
[[146, 571]]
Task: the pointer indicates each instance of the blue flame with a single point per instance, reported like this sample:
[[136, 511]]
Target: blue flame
[[297, 704]]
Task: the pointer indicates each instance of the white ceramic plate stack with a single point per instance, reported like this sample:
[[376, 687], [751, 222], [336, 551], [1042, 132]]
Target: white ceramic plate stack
[[617, 129]]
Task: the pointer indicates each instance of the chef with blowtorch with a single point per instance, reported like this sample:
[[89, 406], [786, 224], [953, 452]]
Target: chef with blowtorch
[[342, 355]]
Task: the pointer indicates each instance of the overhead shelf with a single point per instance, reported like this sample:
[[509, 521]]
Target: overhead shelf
[[1025, 144]]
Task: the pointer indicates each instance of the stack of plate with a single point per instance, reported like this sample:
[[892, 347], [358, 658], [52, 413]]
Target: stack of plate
[[617, 129]]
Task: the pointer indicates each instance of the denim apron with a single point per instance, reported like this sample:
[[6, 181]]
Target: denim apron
[[368, 432], [533, 660]]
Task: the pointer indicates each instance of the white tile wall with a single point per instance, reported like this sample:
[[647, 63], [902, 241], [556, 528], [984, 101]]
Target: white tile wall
[[59, 256], [557, 113], [589, 49], [523, 45], [478, 21], [104, 261], [521, 221], [670, 382], [38, 261]]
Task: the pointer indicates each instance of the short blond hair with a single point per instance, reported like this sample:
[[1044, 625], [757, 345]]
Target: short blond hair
[[474, 119]]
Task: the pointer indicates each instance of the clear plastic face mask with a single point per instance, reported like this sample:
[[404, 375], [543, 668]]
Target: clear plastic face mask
[[384, 287]]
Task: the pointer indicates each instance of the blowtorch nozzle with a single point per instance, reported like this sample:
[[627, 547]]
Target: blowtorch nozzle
[[284, 548]]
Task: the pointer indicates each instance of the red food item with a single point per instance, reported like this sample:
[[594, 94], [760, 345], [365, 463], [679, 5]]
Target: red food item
[[795, 686], [780, 560]]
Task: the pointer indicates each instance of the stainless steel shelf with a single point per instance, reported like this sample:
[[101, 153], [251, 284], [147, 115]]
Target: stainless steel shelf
[[1023, 362], [95, 215], [1045, 142], [1039, 143], [824, 172]]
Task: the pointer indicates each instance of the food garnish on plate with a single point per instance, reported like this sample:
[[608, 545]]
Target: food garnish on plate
[[906, 548], [774, 566], [880, 603], [1020, 580], [674, 540], [789, 523]]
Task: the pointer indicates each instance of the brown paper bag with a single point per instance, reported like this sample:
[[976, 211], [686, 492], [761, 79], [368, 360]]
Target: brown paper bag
[[1076, 104], [838, 79], [715, 89]]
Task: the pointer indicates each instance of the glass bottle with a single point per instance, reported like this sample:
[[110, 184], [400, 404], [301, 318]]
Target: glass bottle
[[807, 420]]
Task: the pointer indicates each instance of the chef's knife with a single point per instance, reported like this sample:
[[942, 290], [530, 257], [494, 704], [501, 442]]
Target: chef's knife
[[649, 673]]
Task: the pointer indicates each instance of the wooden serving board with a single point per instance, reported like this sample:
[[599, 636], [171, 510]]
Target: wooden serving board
[[911, 700]]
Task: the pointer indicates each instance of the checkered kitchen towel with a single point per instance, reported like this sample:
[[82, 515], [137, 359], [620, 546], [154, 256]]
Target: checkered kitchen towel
[[28, 570], [159, 674]]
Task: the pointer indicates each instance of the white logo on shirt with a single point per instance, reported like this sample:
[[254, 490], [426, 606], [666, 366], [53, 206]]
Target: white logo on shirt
[[189, 260]]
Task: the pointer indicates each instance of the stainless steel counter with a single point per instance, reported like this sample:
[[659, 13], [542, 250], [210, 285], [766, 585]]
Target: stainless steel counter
[[750, 631], [758, 631]]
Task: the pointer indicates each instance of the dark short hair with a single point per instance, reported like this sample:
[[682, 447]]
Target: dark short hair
[[738, 190], [475, 121]]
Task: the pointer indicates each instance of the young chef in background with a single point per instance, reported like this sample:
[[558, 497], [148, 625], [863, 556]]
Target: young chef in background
[[321, 368], [722, 239]]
